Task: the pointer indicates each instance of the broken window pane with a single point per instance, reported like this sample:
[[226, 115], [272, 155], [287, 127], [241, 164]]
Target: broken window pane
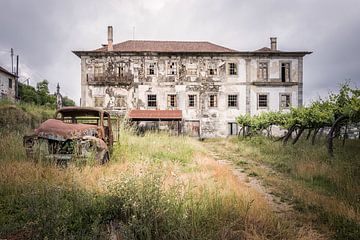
[[151, 69], [285, 72], [285, 101], [212, 69], [172, 68]]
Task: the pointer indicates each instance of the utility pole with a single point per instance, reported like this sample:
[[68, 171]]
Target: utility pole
[[12, 60], [17, 78]]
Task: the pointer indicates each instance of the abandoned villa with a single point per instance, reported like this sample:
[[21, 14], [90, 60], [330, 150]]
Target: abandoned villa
[[197, 87]]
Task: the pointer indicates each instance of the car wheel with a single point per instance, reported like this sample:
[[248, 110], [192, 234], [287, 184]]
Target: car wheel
[[105, 158]]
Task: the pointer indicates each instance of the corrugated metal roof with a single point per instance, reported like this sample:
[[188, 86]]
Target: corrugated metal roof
[[155, 114]]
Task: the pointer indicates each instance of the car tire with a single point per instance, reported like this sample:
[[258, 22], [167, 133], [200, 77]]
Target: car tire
[[105, 158]]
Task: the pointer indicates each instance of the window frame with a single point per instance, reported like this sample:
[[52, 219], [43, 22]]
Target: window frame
[[169, 100], [151, 100], [213, 67], [267, 101], [151, 66], [260, 70], [280, 101], [281, 64], [172, 63], [216, 100], [236, 101], [235, 69], [195, 100], [10, 83], [102, 97], [124, 97]]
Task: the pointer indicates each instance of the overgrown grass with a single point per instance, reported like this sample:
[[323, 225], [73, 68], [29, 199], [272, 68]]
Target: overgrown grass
[[327, 187], [155, 187]]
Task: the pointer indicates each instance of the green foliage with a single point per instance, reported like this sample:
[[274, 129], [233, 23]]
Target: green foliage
[[41, 95], [321, 113]]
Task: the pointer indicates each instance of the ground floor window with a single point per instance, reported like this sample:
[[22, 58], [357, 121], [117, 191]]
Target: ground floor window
[[192, 100], [233, 128], [171, 100], [262, 101], [151, 100], [285, 101]]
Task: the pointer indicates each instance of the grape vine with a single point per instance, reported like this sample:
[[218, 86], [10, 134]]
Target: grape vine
[[337, 111]]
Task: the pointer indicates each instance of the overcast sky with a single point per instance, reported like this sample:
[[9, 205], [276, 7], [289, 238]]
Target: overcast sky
[[44, 32]]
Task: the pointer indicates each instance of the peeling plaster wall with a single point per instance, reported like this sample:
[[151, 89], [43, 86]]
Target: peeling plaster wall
[[5, 91], [127, 77]]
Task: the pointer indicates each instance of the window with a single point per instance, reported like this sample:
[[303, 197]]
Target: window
[[172, 68], [232, 69], [151, 100], [120, 102], [262, 100], [232, 101], [285, 72], [98, 70], [192, 100], [263, 70], [120, 71], [151, 69], [212, 70], [233, 128], [213, 100], [171, 100], [10, 83], [191, 69], [99, 101], [285, 101]]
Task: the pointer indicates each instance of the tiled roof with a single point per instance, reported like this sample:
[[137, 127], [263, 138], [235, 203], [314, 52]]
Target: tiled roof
[[266, 49], [155, 114], [167, 46], [6, 71]]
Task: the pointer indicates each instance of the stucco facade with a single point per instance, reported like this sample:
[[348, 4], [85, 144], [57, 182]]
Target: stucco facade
[[212, 85], [7, 84]]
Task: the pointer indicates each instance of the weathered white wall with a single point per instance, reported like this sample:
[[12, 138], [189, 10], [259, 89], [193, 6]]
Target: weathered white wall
[[5, 91], [213, 121]]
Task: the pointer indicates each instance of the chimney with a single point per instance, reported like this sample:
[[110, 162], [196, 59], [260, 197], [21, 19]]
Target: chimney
[[273, 44], [110, 38]]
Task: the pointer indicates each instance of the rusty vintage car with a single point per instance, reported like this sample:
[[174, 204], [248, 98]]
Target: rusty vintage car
[[75, 132]]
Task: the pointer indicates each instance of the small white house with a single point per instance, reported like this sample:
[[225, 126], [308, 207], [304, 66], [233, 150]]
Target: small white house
[[7, 84]]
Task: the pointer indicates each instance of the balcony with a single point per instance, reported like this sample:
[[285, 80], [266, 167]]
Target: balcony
[[110, 80], [273, 83]]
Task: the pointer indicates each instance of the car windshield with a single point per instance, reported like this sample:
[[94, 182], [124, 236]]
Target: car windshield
[[79, 116]]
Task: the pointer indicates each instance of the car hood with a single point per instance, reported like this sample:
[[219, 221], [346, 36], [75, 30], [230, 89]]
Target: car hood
[[57, 130]]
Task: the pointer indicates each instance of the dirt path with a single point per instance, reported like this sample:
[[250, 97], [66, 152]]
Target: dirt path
[[217, 151]]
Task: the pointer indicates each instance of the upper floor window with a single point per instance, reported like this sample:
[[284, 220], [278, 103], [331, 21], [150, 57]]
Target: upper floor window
[[212, 69], [10, 83], [212, 100], [98, 70], [232, 100], [171, 100], [285, 101], [232, 69], [262, 101], [151, 100], [263, 70], [120, 71], [285, 72], [151, 69], [172, 68], [192, 100]]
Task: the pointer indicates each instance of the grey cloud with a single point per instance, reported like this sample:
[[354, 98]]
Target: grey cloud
[[44, 32]]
